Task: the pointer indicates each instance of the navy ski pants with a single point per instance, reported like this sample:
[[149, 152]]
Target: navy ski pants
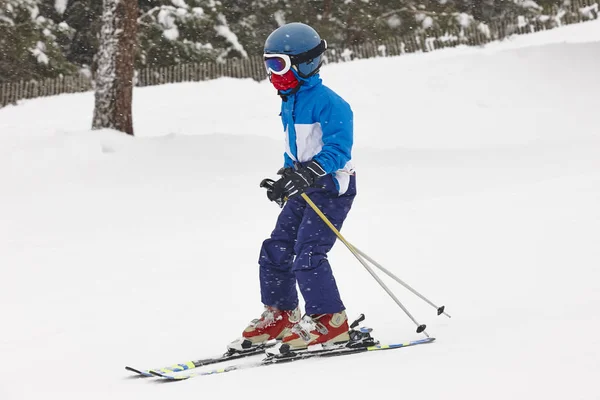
[[297, 251]]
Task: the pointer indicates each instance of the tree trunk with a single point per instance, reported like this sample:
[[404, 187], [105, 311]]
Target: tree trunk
[[115, 73]]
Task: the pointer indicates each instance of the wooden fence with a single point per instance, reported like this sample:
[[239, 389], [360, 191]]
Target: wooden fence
[[253, 67]]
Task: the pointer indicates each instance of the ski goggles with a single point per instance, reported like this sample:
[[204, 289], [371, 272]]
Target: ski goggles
[[280, 64]]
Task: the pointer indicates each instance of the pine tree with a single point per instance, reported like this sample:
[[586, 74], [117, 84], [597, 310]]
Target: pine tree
[[47, 38], [29, 43], [84, 17], [176, 31]]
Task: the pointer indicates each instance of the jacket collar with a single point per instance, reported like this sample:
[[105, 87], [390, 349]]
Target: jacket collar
[[304, 85]]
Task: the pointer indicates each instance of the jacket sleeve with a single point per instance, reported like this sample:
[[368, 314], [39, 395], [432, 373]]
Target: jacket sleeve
[[287, 161], [336, 119]]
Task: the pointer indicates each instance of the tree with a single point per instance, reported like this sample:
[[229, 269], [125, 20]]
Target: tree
[[52, 38], [115, 59], [29, 43], [83, 16]]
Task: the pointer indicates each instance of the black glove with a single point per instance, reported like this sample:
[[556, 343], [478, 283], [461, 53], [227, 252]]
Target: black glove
[[285, 171], [296, 182], [268, 184]]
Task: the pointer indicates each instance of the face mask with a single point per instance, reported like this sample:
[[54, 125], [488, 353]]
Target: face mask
[[284, 82]]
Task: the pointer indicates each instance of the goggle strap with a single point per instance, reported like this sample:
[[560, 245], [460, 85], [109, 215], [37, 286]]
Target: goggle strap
[[310, 54]]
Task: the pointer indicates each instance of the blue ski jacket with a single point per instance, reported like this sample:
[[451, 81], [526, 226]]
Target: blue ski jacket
[[318, 124]]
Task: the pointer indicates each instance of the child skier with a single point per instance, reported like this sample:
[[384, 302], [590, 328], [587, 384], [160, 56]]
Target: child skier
[[318, 126]]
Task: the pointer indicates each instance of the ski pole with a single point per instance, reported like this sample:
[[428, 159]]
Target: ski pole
[[420, 327], [440, 310]]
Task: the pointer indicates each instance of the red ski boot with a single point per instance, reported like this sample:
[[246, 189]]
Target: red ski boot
[[272, 324], [325, 329]]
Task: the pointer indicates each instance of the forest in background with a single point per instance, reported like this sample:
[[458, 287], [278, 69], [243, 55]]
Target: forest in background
[[50, 38]]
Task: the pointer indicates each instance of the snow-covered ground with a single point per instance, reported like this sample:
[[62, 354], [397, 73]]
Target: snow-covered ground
[[479, 185]]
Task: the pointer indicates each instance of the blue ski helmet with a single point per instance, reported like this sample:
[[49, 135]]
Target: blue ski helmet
[[302, 43]]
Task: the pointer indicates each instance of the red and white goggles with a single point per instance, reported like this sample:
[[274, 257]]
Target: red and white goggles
[[280, 64]]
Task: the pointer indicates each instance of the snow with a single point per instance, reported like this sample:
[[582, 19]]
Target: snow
[[530, 4], [479, 185], [558, 17], [39, 53], [427, 22], [34, 12], [63, 26], [179, 3], [86, 71], [464, 20], [590, 12], [347, 55], [578, 33], [171, 33], [61, 6], [279, 17], [394, 21], [224, 31], [166, 18], [7, 20], [485, 29]]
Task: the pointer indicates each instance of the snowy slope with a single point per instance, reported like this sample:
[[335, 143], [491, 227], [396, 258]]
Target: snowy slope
[[479, 184]]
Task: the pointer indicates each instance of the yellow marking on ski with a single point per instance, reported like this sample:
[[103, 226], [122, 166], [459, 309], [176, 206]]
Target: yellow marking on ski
[[175, 377], [179, 367], [189, 365]]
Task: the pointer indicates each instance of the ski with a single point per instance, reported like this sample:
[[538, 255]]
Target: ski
[[228, 356], [291, 357]]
